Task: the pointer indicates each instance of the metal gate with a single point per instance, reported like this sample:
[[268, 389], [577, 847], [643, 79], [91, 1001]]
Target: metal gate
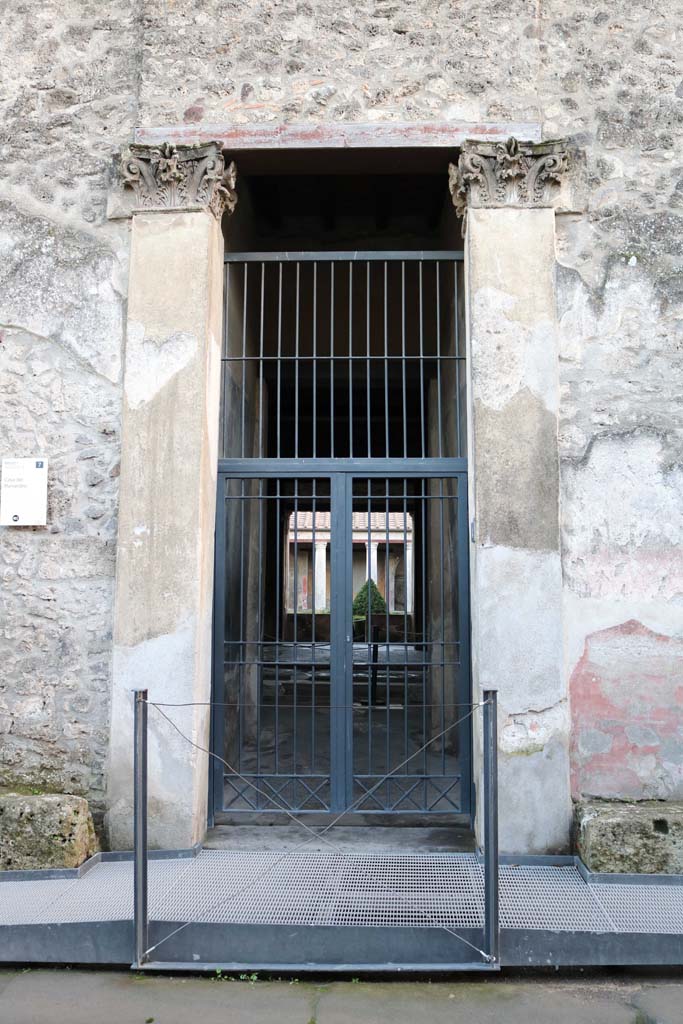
[[341, 655]]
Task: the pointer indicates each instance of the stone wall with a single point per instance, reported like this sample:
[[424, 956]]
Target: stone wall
[[77, 81], [68, 99]]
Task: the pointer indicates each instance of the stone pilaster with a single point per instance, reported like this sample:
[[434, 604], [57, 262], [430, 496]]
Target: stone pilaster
[[163, 607], [508, 191]]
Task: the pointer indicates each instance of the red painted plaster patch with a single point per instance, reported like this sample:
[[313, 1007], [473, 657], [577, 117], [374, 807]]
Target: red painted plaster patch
[[626, 697]]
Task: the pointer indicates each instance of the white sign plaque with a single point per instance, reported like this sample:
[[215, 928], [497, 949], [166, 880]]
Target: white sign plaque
[[23, 492]]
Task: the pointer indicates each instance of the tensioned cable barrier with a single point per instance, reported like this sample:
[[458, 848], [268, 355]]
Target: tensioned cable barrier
[[315, 835]]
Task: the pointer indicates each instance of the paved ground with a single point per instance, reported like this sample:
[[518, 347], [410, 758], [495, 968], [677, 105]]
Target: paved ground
[[65, 996]]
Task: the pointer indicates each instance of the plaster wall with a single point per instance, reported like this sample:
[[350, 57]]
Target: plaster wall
[[163, 608], [74, 82], [514, 499]]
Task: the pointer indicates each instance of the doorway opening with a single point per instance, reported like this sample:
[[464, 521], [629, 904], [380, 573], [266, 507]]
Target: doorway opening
[[341, 615]]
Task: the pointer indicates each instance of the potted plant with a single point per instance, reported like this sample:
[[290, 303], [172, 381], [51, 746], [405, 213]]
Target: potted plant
[[367, 602]]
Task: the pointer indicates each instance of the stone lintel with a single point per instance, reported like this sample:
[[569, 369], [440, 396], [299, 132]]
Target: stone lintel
[[171, 177], [508, 174], [338, 135]]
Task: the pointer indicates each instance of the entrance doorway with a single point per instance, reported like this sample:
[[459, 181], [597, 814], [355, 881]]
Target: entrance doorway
[[341, 605]]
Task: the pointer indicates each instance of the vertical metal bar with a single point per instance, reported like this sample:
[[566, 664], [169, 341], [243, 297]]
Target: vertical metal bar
[[241, 710], [369, 628], [374, 629], [257, 645], [350, 360], [387, 648], [422, 371], [464, 694], [438, 358], [295, 648], [370, 635], [226, 356], [491, 916], [405, 621], [218, 688], [315, 358], [314, 563], [403, 358], [367, 356], [340, 711], [140, 904], [296, 365], [260, 365], [279, 628], [426, 635], [375, 660], [386, 363], [441, 571], [332, 360], [456, 337], [278, 418], [347, 623], [243, 420]]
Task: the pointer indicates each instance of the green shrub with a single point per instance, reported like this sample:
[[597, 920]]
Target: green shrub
[[378, 605]]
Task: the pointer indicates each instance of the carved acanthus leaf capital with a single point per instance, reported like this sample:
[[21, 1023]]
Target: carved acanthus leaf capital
[[512, 173], [176, 177]]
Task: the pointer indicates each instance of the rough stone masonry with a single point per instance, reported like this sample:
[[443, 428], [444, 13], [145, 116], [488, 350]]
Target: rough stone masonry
[[77, 77]]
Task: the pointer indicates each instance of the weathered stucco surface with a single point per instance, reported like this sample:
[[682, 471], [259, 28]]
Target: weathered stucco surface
[[514, 499], [627, 727], [163, 608], [74, 81]]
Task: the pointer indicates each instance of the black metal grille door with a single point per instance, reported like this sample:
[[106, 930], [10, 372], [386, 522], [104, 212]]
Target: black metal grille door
[[409, 658], [341, 617]]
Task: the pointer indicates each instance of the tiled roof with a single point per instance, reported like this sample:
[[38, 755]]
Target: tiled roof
[[378, 521]]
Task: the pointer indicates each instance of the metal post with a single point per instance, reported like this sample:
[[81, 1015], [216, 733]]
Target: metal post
[[140, 907], [491, 918], [373, 671]]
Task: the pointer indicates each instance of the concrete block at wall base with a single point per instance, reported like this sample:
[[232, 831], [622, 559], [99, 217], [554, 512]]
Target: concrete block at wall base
[[49, 830], [643, 837]]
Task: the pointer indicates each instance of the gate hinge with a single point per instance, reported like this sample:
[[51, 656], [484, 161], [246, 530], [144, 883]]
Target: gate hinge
[[472, 530]]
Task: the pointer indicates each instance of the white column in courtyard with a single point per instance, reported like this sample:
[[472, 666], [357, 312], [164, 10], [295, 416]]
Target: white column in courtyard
[[409, 582], [371, 560], [167, 499], [508, 192], [320, 570]]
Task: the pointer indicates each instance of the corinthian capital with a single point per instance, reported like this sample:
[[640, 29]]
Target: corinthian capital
[[170, 177], [512, 173]]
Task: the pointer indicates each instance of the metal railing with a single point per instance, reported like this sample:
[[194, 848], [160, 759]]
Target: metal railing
[[491, 931], [491, 895], [140, 850]]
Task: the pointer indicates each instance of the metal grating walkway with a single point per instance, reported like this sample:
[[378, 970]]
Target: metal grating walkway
[[347, 890]]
